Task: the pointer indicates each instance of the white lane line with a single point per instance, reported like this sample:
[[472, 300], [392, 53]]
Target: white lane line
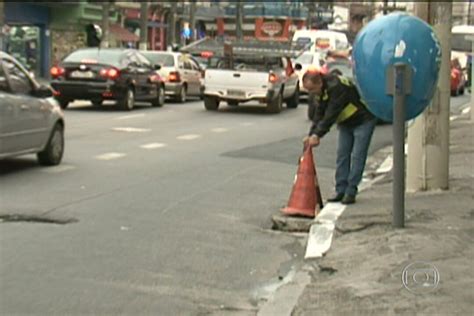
[[321, 231], [126, 117], [247, 124], [110, 156], [153, 145], [319, 240], [58, 169], [453, 117], [219, 130], [131, 129], [386, 165], [466, 110], [188, 137]]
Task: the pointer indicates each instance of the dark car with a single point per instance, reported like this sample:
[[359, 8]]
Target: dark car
[[94, 74], [30, 119]]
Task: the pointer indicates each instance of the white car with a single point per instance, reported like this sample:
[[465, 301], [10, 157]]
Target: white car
[[31, 121], [268, 80], [306, 60]]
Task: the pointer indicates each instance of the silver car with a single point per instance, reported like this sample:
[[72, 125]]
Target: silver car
[[31, 121], [181, 73]]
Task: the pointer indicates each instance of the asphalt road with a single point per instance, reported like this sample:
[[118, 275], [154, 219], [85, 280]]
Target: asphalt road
[[157, 211]]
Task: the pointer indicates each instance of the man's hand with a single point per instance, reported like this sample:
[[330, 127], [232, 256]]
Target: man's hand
[[312, 140]]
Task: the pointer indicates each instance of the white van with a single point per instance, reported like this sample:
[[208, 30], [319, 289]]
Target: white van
[[322, 39], [460, 46]]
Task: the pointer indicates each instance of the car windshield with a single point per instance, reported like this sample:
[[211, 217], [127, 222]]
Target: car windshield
[[460, 43], [245, 63], [96, 56], [165, 60], [343, 68], [305, 59]]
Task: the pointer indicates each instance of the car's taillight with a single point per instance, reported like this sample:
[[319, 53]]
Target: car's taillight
[[174, 77], [273, 78], [110, 73], [57, 71]]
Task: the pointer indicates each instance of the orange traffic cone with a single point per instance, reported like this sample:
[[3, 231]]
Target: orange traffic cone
[[305, 199]]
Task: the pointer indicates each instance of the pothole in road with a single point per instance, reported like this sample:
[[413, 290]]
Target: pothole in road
[[12, 218]]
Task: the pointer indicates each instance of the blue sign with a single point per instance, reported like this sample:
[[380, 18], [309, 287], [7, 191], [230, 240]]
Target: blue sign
[[397, 37]]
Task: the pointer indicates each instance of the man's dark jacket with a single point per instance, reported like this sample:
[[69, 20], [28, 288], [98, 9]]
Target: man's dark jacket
[[337, 94]]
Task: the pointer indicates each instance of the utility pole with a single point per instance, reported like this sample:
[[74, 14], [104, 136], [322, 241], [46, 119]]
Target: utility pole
[[172, 24], [143, 25], [428, 136], [239, 20], [105, 24], [2, 24], [192, 20]]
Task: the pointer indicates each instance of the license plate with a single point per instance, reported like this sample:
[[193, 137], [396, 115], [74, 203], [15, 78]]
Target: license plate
[[236, 93], [82, 74]]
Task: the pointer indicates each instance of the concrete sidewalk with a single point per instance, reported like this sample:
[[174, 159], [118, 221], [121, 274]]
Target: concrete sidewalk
[[362, 272]]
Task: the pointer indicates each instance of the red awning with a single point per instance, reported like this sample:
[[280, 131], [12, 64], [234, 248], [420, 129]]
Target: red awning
[[122, 34]]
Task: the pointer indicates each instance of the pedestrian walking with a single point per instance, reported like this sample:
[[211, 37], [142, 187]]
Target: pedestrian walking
[[338, 102]]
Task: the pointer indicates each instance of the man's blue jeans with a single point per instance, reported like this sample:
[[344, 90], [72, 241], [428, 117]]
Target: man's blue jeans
[[352, 149]]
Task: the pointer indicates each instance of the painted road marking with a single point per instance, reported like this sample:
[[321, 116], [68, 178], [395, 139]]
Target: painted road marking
[[453, 117], [219, 130], [126, 117], [58, 169], [386, 165], [153, 145], [319, 239], [466, 110], [188, 137], [131, 129], [321, 231], [110, 156]]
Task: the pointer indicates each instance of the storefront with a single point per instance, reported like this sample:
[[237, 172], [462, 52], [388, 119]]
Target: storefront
[[27, 35]]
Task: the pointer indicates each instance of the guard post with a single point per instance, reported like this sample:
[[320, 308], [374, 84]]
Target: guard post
[[398, 84]]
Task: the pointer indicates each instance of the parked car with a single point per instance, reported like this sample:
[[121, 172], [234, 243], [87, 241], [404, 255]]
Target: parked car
[[94, 74], [458, 78], [181, 72], [306, 60], [31, 121]]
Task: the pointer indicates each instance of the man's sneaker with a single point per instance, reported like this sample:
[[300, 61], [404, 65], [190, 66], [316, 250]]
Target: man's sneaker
[[348, 199], [336, 198]]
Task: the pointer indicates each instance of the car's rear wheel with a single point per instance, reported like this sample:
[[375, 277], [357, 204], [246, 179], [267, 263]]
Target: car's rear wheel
[[53, 152], [128, 102], [275, 105], [211, 103], [182, 96], [292, 102], [160, 99], [63, 103], [97, 102]]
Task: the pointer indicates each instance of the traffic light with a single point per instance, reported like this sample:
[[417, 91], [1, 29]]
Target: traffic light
[[94, 35]]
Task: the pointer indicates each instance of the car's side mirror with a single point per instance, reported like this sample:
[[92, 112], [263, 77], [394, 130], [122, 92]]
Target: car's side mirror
[[43, 91], [157, 66], [298, 66]]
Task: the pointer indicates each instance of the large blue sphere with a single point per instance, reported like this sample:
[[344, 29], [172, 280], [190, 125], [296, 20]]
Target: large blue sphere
[[397, 37]]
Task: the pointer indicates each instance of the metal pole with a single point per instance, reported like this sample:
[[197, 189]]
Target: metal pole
[[143, 26], [172, 24], [192, 20], [239, 20], [105, 24], [2, 24], [399, 146]]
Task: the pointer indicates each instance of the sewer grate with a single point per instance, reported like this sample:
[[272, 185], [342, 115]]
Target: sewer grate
[[9, 218]]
